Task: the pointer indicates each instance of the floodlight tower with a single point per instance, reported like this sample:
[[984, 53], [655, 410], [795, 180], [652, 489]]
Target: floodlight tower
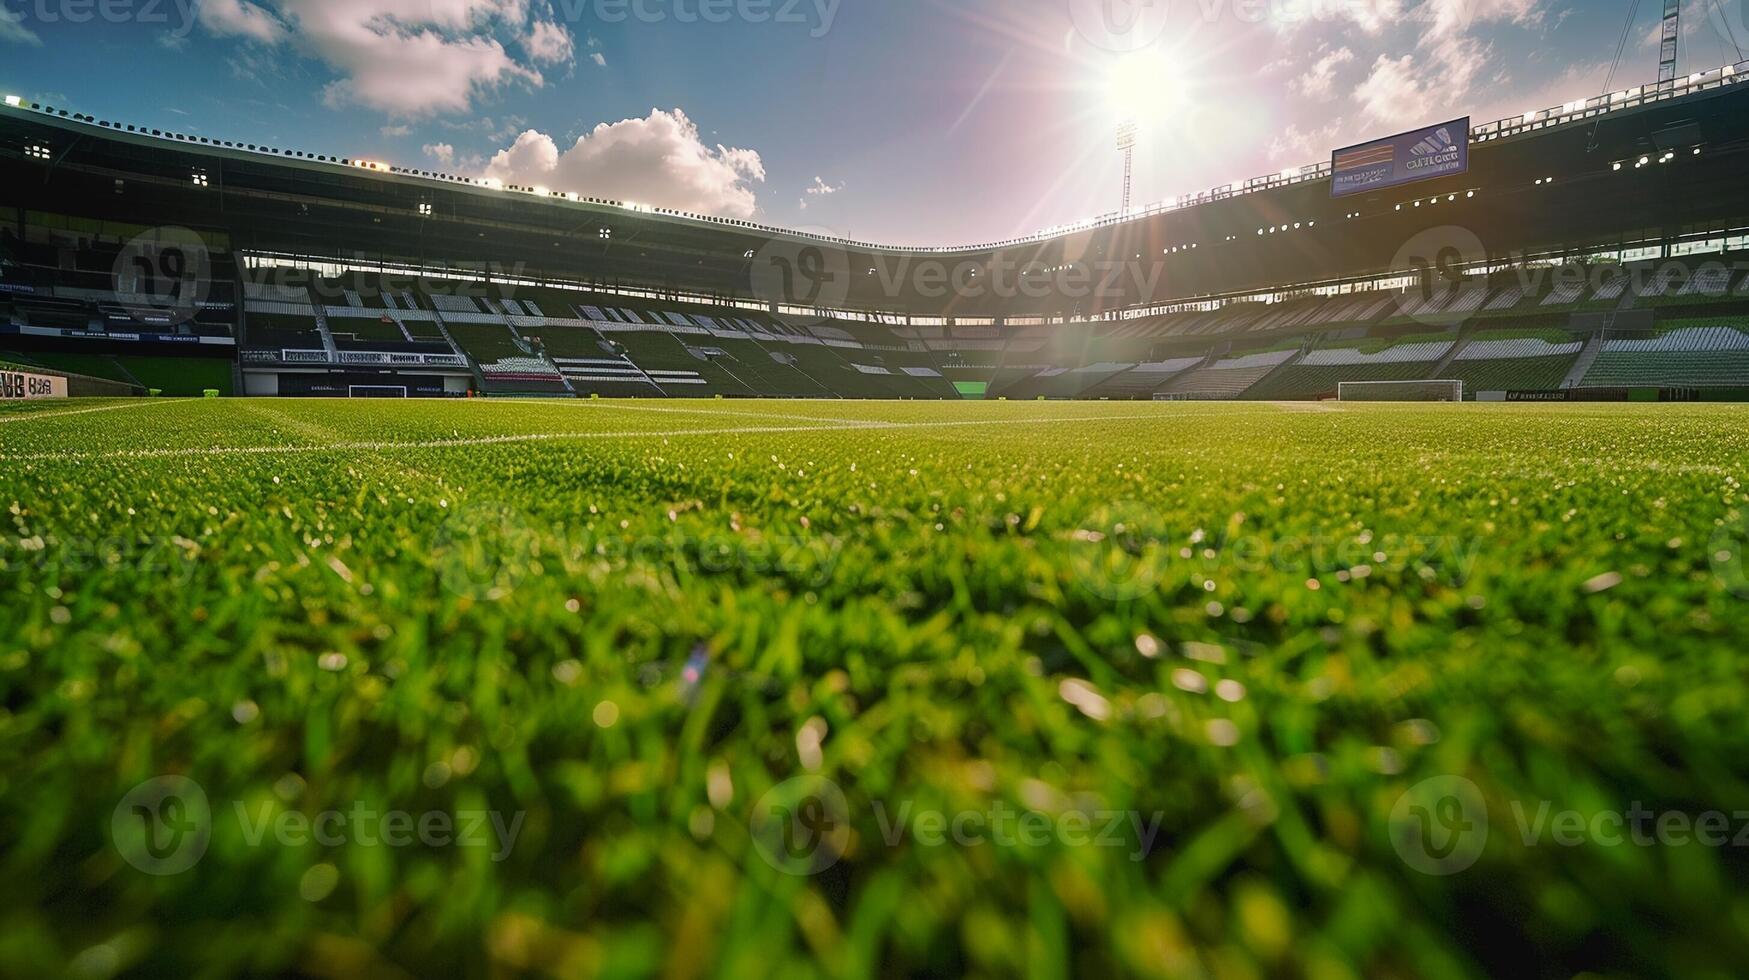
[[1126, 144], [1667, 46]]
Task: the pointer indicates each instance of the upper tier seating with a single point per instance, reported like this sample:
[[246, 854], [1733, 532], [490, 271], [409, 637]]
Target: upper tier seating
[[1695, 356]]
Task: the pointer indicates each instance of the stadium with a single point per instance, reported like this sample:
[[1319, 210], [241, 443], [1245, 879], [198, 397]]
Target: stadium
[[1336, 573], [284, 272]]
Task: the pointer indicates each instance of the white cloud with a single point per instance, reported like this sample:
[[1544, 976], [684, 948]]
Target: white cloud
[[1371, 16], [1457, 16], [1296, 146], [658, 160], [1448, 58], [1317, 80], [1394, 92], [408, 58], [240, 18], [599, 59], [818, 189], [12, 29], [549, 43], [442, 153], [395, 132]]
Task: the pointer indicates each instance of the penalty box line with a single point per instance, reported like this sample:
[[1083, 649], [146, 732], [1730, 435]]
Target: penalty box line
[[606, 405]]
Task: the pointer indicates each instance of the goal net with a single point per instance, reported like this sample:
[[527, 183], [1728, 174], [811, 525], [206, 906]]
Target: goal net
[[1400, 391], [376, 391]]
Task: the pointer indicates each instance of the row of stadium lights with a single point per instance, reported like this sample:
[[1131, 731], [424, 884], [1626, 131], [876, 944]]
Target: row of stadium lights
[[1276, 229], [1646, 161], [1435, 199]]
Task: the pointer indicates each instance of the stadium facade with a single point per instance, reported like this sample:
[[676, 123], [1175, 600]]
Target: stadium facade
[[1592, 250]]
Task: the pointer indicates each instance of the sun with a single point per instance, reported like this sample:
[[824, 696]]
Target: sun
[[1144, 86]]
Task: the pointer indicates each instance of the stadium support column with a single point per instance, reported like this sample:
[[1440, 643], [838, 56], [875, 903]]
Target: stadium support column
[[1126, 144], [1667, 45]]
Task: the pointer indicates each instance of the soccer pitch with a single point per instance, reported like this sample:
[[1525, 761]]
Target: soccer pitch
[[846, 689]]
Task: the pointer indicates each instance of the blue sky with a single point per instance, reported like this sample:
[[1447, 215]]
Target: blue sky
[[901, 121]]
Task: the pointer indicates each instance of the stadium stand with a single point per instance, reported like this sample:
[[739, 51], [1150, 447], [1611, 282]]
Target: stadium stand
[[1592, 300], [507, 364], [1140, 382], [1318, 374], [1695, 355], [1227, 378], [1501, 361]]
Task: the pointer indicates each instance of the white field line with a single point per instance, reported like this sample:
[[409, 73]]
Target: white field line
[[321, 434], [142, 403], [608, 405], [504, 440]]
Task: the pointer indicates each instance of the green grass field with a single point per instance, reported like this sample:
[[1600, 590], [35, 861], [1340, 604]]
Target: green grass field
[[626, 643]]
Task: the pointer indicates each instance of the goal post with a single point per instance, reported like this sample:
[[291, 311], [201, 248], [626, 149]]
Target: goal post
[[1400, 391], [376, 391]]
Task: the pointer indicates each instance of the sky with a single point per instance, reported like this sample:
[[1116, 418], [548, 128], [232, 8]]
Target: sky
[[905, 122]]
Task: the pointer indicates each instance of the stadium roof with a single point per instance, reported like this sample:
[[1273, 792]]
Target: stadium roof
[[1570, 113], [1561, 180]]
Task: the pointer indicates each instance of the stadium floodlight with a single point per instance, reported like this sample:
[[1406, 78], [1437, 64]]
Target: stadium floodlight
[[14, 101]]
